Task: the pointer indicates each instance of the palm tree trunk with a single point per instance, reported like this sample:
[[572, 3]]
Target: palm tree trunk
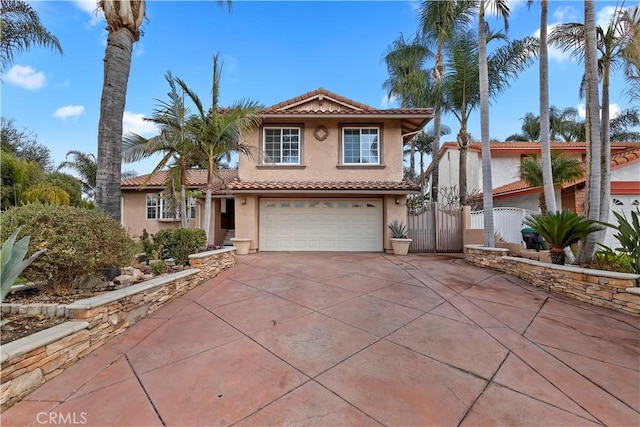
[[422, 172], [594, 142], [463, 145], [605, 165], [183, 194], [487, 185], [435, 172], [412, 159], [117, 63], [545, 138], [206, 222]]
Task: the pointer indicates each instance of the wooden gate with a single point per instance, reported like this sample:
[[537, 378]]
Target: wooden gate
[[447, 225]]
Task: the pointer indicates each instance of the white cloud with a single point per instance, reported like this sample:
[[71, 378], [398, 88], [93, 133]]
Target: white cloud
[[614, 110], [389, 101], [69, 111], [553, 52], [604, 15], [65, 83], [133, 122], [564, 14], [91, 8], [25, 76]]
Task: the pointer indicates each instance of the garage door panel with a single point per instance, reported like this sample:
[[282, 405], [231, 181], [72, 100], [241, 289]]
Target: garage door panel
[[321, 225]]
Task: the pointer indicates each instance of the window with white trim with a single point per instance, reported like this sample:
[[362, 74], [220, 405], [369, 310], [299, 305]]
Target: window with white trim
[[158, 208], [281, 145], [361, 145]]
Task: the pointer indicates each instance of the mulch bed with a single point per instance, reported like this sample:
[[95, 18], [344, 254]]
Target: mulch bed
[[22, 325]]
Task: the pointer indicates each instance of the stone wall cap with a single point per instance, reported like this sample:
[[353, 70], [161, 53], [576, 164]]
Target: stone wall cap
[[576, 269], [210, 253], [486, 248], [634, 290], [109, 297], [39, 339]]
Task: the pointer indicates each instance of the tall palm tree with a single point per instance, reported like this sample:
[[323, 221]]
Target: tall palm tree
[[460, 86], [563, 170], [218, 132], [594, 141], [612, 42], [176, 145], [500, 9], [439, 20], [21, 28], [405, 60], [545, 123], [631, 54], [124, 19], [425, 145], [530, 129], [86, 167]]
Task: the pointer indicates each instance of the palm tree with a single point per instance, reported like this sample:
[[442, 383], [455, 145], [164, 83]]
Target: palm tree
[[460, 86], [176, 145], [544, 121], [21, 28], [631, 53], [562, 169], [439, 19], [611, 42], [593, 182], [500, 9], [218, 132], [425, 145], [85, 167], [405, 60], [124, 19], [530, 129]]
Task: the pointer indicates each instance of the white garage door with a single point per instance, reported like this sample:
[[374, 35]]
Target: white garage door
[[321, 225]]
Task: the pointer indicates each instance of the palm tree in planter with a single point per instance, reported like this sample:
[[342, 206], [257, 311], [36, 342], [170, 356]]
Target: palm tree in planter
[[561, 229]]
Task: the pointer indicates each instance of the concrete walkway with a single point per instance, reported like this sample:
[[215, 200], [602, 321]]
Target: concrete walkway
[[356, 340]]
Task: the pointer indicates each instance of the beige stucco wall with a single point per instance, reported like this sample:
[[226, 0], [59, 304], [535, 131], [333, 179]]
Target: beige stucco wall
[[134, 217], [247, 219], [449, 172], [393, 212], [320, 160]]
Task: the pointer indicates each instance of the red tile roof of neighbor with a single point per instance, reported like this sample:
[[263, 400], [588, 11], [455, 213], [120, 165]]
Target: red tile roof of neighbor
[[331, 186], [617, 160], [195, 178]]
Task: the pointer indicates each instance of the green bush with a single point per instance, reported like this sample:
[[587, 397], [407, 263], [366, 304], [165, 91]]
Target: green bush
[[77, 241], [179, 243], [628, 235]]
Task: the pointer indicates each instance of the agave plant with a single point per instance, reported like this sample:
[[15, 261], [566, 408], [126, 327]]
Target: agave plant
[[12, 262], [561, 229], [398, 230]]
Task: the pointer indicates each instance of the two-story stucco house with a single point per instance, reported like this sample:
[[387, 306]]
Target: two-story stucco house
[[328, 177]]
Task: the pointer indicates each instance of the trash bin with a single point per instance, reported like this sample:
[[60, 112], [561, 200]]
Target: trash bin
[[532, 239]]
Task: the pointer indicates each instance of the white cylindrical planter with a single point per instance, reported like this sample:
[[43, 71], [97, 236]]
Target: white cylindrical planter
[[242, 245]]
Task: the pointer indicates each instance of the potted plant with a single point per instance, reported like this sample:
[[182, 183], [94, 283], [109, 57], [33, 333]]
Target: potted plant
[[399, 238], [561, 229]]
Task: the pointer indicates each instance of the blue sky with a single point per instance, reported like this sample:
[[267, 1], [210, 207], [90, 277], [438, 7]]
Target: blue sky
[[272, 51]]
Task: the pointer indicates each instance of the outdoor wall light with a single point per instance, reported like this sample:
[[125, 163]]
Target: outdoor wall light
[[397, 200], [243, 200]]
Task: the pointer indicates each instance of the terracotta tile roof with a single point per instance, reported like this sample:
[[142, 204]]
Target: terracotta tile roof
[[331, 186], [348, 106], [617, 160], [534, 147], [314, 94], [196, 178]]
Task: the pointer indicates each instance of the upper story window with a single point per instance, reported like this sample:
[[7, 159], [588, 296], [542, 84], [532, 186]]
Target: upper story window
[[282, 146], [361, 146], [159, 208]]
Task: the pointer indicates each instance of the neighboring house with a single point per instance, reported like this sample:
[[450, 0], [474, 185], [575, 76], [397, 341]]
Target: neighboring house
[[511, 191], [143, 206], [327, 175]]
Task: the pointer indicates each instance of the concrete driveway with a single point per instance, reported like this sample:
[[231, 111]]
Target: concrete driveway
[[356, 340]]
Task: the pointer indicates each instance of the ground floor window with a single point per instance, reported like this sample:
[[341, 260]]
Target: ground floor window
[[159, 207]]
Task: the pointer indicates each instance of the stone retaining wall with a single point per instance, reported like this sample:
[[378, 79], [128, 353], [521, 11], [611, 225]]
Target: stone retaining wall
[[609, 289], [27, 363]]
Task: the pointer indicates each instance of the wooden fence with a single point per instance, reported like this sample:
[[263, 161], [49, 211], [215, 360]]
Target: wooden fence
[[448, 230]]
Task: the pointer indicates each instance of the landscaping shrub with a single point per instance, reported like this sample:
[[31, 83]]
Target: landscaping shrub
[[179, 243], [77, 241], [628, 236]]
